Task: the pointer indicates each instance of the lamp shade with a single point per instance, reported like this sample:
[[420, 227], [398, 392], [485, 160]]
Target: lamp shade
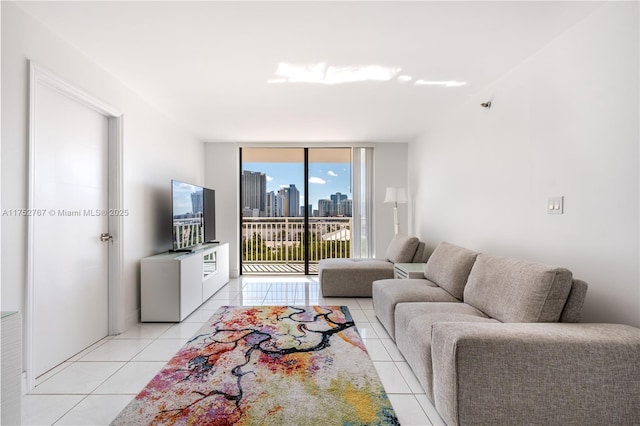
[[395, 195]]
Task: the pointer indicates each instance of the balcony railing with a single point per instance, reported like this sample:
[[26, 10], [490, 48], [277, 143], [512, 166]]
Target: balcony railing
[[277, 244]]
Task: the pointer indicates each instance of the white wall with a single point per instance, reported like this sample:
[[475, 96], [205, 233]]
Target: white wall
[[155, 150], [222, 168], [563, 123], [222, 173], [389, 170]]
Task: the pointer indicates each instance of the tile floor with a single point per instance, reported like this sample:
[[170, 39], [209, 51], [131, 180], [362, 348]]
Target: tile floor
[[92, 387]]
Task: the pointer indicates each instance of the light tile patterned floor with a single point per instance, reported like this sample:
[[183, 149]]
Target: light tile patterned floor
[[93, 386]]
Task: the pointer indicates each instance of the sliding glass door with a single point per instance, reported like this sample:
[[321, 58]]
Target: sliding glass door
[[330, 208], [297, 208]]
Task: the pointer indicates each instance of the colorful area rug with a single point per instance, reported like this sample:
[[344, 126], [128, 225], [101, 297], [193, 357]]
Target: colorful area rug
[[267, 365]]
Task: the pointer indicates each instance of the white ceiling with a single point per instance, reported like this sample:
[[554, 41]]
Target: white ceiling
[[207, 64]]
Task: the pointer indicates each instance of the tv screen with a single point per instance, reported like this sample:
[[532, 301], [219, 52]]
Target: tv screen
[[188, 215], [209, 215]]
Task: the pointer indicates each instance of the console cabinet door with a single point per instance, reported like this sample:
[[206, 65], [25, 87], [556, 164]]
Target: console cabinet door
[[160, 290], [219, 271], [190, 284]]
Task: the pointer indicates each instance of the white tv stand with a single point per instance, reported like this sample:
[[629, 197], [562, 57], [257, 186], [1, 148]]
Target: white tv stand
[[174, 284]]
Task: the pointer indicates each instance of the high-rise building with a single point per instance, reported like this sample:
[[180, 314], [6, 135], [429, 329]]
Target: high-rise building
[[293, 201], [254, 190], [197, 202], [336, 199], [283, 201], [346, 208], [324, 208], [309, 210], [279, 209], [248, 212], [270, 206]]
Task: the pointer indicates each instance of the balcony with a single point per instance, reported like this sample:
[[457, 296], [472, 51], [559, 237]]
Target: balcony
[[276, 245]]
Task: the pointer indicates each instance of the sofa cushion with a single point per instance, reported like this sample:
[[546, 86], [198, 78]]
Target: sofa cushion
[[575, 300], [388, 293], [513, 290], [413, 333], [420, 254], [449, 267], [402, 248]]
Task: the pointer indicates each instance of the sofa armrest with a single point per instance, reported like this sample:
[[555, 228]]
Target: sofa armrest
[[543, 373]]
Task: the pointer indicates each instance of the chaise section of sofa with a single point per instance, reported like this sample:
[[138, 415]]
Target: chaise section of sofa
[[353, 277], [536, 373]]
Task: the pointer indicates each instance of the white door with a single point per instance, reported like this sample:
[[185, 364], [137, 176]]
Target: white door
[[70, 264]]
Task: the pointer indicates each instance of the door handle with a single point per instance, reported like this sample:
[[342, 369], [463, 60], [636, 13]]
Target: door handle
[[105, 236]]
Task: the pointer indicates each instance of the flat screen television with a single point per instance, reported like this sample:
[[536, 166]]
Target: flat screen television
[[193, 209]]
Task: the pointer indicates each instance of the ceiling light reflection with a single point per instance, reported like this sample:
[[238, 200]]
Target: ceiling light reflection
[[449, 83], [338, 75], [305, 73], [321, 73]]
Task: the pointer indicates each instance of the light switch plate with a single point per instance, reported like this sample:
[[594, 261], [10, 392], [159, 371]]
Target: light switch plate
[[555, 205]]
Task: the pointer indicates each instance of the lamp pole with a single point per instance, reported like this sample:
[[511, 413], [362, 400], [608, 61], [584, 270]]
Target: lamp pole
[[395, 218], [395, 196]]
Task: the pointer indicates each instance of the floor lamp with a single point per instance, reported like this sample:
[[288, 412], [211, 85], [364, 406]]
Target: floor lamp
[[395, 196]]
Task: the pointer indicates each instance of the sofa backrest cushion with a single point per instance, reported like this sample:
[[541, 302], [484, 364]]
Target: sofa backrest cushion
[[420, 254], [402, 248], [449, 267], [513, 290], [575, 300]]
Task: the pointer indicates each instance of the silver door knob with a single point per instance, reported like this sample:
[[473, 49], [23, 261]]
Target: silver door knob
[[105, 236]]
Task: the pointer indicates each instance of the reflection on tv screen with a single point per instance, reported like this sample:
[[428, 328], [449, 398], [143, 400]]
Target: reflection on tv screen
[[187, 209]]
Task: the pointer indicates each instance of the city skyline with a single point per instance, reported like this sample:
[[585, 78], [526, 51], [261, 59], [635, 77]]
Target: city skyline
[[325, 179]]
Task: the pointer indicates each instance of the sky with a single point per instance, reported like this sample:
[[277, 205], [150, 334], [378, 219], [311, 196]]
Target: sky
[[324, 178]]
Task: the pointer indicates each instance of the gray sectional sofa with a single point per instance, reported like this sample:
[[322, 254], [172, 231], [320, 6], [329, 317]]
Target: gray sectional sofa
[[354, 277], [496, 340]]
